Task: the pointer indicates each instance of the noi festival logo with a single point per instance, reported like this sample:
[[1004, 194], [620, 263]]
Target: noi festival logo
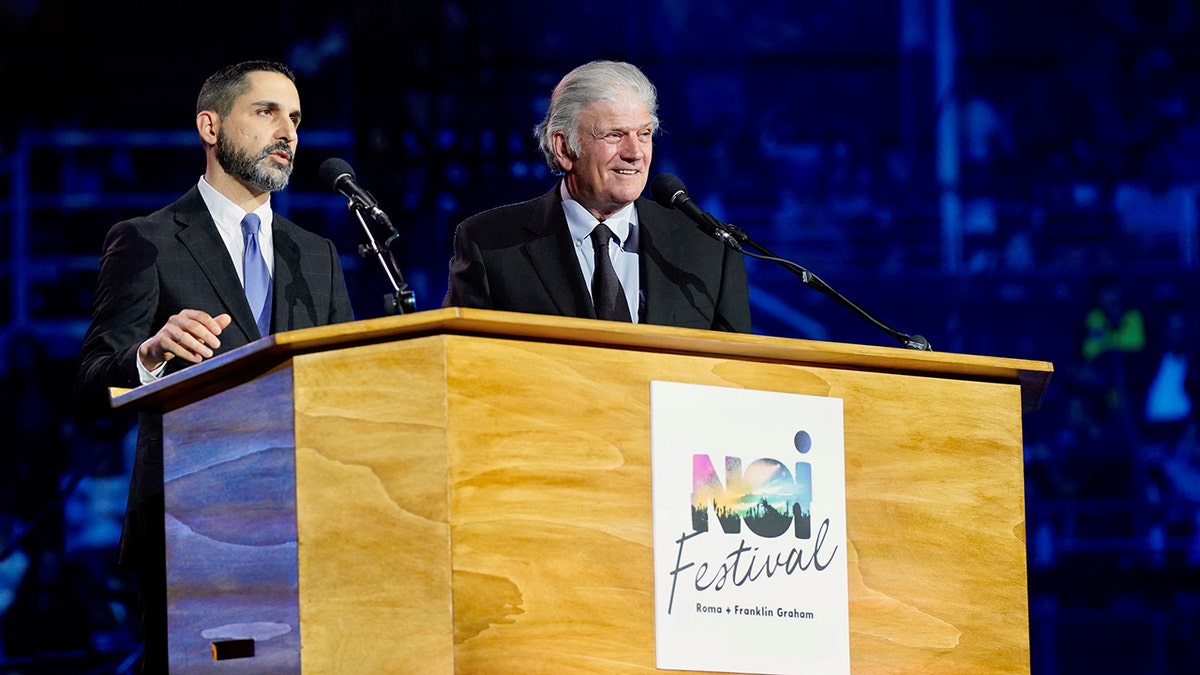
[[773, 501]]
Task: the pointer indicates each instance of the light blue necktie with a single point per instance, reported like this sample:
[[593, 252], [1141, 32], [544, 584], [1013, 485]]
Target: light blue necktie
[[255, 275]]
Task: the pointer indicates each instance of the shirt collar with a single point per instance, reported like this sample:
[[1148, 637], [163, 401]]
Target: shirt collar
[[226, 213], [581, 222]]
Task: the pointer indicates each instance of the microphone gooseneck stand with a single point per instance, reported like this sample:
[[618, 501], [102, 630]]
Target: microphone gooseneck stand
[[402, 300], [738, 240], [670, 192], [338, 175]]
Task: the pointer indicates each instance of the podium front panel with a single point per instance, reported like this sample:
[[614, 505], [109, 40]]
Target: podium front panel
[[482, 504]]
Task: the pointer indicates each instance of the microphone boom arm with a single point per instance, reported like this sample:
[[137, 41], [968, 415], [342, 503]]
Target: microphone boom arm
[[738, 240], [669, 191]]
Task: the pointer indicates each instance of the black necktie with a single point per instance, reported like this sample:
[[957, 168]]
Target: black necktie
[[607, 294]]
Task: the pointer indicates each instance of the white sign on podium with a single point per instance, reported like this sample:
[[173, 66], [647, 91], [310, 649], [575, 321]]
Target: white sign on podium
[[750, 571]]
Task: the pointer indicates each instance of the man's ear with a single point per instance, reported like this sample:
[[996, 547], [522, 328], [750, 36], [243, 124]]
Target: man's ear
[[562, 152], [208, 123]]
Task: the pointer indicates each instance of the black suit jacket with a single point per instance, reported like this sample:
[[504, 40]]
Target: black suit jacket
[[151, 268], [520, 258]]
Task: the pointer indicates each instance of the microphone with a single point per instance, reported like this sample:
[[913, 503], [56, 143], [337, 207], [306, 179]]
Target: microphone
[[338, 175], [668, 190]]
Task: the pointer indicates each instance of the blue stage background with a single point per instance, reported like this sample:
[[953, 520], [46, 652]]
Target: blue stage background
[[982, 173]]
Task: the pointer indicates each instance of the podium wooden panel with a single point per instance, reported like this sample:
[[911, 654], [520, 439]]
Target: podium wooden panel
[[464, 491]]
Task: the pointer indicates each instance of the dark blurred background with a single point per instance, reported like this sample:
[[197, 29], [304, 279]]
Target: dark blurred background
[[1013, 178]]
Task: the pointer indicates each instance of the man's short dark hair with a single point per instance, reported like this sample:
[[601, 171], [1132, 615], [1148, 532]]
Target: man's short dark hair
[[223, 87]]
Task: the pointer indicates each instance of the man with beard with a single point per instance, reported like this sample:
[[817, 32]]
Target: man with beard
[[176, 287]]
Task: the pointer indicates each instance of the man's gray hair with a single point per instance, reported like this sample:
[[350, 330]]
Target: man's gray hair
[[595, 81]]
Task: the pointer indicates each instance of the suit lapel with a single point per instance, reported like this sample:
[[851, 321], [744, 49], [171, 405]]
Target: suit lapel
[[287, 266], [551, 254], [294, 301], [198, 233]]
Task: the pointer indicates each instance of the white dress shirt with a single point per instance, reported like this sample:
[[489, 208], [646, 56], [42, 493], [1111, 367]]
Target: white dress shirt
[[624, 224], [228, 217]]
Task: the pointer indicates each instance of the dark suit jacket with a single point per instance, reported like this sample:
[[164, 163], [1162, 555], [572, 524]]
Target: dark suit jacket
[[520, 258], [174, 259]]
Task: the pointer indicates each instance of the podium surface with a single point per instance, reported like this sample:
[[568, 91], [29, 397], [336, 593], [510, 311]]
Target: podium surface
[[466, 491]]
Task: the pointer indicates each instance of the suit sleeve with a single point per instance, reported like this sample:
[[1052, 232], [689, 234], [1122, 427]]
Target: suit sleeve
[[123, 316], [468, 283]]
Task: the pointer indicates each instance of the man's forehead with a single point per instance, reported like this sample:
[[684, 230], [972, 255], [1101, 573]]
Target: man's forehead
[[267, 84], [619, 114]]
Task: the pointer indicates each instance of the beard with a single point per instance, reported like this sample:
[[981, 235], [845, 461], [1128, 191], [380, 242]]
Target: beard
[[259, 170]]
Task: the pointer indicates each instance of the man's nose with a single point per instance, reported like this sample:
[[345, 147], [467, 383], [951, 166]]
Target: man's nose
[[287, 130], [632, 147]]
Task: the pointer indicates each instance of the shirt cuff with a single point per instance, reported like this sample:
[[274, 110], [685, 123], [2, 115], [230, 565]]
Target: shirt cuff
[[147, 376]]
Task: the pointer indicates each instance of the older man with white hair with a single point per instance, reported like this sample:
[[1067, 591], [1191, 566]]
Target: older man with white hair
[[593, 247]]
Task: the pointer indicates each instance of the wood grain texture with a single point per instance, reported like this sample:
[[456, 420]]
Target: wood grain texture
[[371, 466], [473, 492], [228, 466], [550, 492]]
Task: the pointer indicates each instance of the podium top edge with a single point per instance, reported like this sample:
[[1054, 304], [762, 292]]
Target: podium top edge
[[251, 360]]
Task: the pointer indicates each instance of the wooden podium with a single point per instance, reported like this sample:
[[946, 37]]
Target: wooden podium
[[418, 494]]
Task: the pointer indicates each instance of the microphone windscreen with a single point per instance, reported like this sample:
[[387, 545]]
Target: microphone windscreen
[[664, 187], [332, 169]]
